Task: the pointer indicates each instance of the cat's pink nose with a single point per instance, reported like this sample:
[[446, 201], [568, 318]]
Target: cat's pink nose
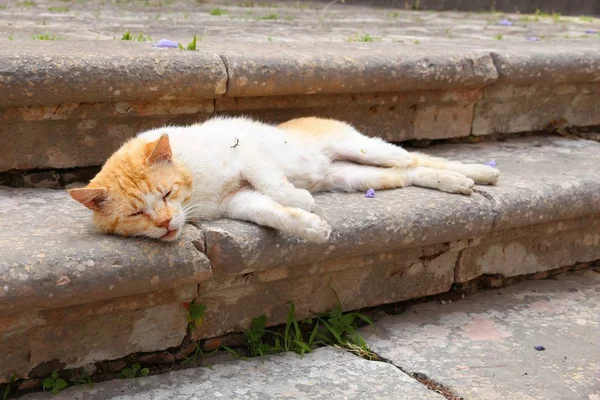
[[164, 223]]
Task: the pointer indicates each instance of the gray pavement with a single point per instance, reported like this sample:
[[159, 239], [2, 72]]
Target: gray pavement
[[278, 21], [482, 347]]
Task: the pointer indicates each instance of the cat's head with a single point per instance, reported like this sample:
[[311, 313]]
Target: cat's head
[[140, 191]]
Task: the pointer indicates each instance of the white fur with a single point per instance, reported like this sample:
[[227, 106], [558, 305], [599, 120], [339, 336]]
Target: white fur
[[244, 169]]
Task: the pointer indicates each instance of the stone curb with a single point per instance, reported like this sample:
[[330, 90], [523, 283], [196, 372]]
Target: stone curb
[[49, 73], [34, 73]]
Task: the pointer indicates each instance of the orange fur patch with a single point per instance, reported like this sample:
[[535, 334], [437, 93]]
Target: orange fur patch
[[131, 176]]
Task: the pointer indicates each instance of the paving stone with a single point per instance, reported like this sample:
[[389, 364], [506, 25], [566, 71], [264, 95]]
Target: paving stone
[[327, 373], [483, 347]]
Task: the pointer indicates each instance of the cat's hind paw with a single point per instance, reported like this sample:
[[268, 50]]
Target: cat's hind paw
[[482, 174], [454, 182]]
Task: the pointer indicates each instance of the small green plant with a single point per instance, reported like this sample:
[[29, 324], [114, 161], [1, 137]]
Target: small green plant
[[269, 38], [26, 3], [10, 37], [293, 339], [498, 37], [217, 12], [54, 383], [198, 354], [585, 18], [46, 36], [59, 9], [529, 18], [417, 41], [139, 38], [254, 337], [261, 341], [134, 371], [191, 46], [342, 327], [196, 313], [233, 352], [8, 387], [334, 328], [270, 17], [541, 14], [363, 38]]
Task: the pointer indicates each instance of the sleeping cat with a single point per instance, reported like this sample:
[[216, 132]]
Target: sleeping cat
[[243, 169]]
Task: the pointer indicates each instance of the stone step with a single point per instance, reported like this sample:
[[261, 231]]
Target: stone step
[[479, 348], [326, 373], [67, 106], [77, 297]]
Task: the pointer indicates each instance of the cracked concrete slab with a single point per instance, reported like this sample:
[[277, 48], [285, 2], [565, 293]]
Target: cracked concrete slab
[[327, 373], [483, 347]]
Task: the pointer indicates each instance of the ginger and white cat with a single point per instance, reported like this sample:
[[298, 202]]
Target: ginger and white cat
[[247, 170]]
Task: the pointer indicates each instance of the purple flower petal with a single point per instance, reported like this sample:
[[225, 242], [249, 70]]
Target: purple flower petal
[[540, 348], [370, 193], [592, 31], [165, 43], [533, 39], [491, 163], [505, 22]]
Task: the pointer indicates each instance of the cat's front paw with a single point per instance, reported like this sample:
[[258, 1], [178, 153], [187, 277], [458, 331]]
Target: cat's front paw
[[315, 230], [301, 198]]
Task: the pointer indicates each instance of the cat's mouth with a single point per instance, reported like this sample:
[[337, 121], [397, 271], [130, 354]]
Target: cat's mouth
[[170, 235]]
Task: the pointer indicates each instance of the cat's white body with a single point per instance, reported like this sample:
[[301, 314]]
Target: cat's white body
[[244, 169]]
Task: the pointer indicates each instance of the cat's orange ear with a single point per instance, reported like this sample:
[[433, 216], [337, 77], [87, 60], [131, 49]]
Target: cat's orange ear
[[92, 198], [161, 150]]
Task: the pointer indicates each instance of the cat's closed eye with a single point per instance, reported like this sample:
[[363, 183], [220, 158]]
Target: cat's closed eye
[[135, 214], [167, 195]]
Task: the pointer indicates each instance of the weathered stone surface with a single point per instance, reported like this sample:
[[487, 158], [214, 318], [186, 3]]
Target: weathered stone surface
[[324, 374], [531, 249], [79, 135], [573, 62], [543, 179], [522, 6], [483, 347], [393, 220], [52, 256], [401, 22], [292, 69], [357, 282], [48, 72], [513, 108], [35, 343], [395, 116]]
